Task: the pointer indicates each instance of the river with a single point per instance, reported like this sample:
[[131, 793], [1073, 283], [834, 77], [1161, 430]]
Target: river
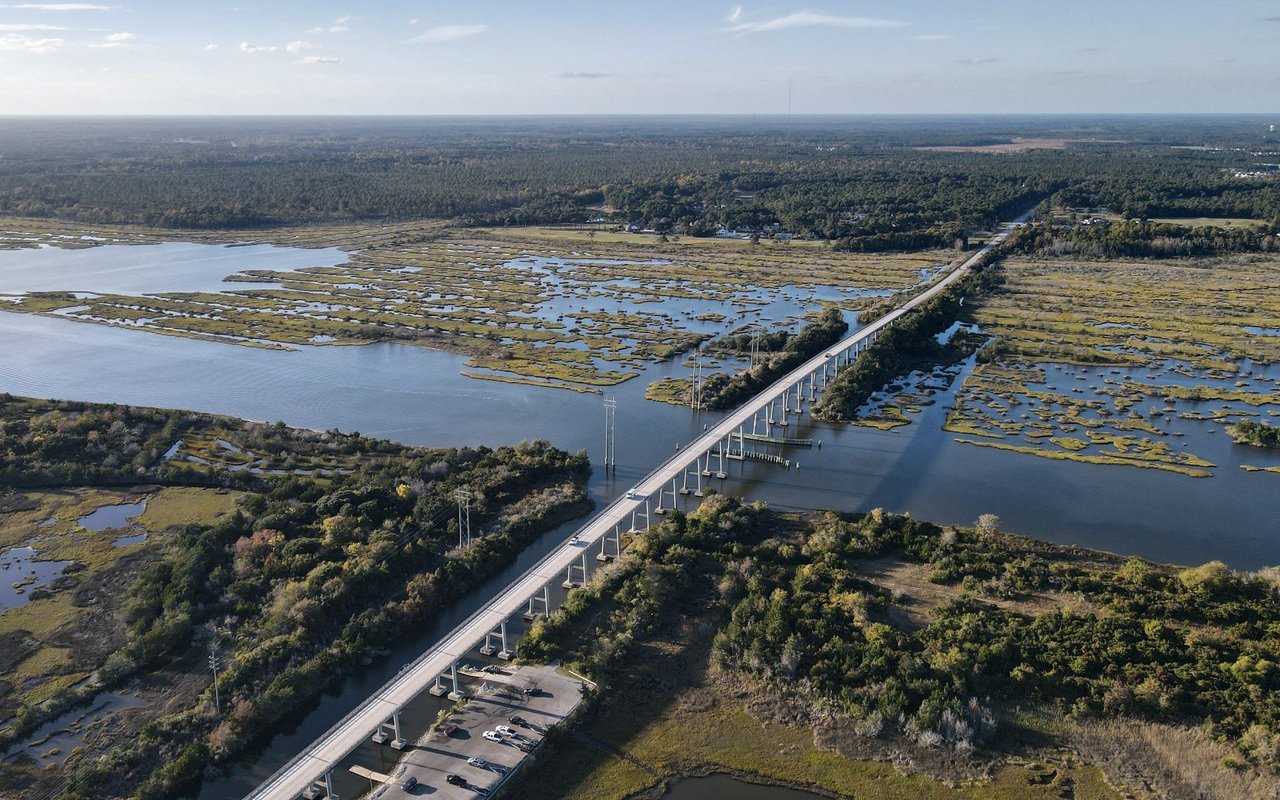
[[415, 395]]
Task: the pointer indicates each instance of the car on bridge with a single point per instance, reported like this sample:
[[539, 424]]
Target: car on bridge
[[632, 494]]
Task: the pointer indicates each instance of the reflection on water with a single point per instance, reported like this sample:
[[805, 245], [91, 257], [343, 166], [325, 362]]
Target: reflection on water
[[21, 573], [150, 269], [114, 516]]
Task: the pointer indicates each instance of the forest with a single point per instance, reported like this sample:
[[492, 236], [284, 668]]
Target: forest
[[962, 641], [865, 183], [305, 581]]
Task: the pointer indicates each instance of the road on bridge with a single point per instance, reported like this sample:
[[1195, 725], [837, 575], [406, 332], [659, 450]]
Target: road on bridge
[[323, 755]]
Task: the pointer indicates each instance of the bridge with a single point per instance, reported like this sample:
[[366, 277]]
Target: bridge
[[767, 416]]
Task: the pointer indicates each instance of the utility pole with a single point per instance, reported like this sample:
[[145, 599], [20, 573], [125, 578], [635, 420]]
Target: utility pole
[[695, 391], [464, 517], [610, 433], [214, 663]]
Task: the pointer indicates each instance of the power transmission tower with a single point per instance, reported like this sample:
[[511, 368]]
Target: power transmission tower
[[695, 391], [610, 435], [464, 517], [214, 663]]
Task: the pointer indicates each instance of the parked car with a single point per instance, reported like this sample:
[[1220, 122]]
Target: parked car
[[517, 720], [491, 736], [409, 782], [477, 761], [456, 780], [506, 730]]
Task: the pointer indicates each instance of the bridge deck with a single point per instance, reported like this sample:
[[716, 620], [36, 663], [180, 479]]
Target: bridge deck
[[324, 754]]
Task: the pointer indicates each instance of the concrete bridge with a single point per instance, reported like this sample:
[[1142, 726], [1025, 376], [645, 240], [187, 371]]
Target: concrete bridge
[[766, 417]]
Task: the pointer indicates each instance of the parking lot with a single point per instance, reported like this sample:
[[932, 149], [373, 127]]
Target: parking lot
[[538, 696]]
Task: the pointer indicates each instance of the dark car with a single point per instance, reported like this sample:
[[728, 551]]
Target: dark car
[[456, 780], [517, 721]]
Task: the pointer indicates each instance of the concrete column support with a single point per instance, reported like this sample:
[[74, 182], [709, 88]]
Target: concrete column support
[[321, 788], [389, 730], [506, 654]]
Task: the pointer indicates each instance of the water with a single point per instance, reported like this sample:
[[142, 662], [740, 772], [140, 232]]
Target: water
[[724, 787], [55, 740], [150, 269], [416, 396], [115, 516], [21, 572]]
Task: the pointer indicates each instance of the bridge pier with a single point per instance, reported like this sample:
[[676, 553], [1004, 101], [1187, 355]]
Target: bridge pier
[[545, 597], [438, 690], [569, 582], [390, 729], [321, 788], [636, 513], [660, 510], [698, 472], [720, 448], [490, 650], [603, 555]]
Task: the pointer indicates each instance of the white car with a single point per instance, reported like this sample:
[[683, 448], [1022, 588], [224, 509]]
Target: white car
[[632, 494], [477, 761], [491, 736], [506, 730]]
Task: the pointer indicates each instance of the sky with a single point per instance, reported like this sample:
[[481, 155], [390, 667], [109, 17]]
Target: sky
[[653, 57]]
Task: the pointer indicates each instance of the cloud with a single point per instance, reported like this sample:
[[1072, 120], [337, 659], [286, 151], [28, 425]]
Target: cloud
[[340, 25], [1271, 19], [29, 44], [63, 6], [114, 40], [254, 49], [977, 62], [584, 75], [1091, 49], [447, 33], [299, 47], [735, 14], [318, 60], [413, 22], [211, 47], [25, 27], [932, 37], [811, 19]]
